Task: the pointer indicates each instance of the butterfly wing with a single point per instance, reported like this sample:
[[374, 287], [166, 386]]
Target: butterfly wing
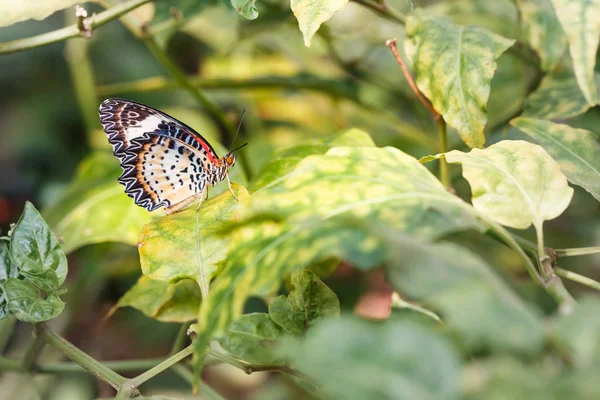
[[125, 120], [161, 171]]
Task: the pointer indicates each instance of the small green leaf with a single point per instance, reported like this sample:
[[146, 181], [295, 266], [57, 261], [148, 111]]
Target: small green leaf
[[95, 208], [312, 13], [7, 270], [246, 8], [17, 11], [285, 160], [356, 360], [577, 151], [309, 301], [36, 252], [454, 65], [169, 246], [163, 301], [252, 338], [543, 31], [516, 183], [472, 300], [25, 302], [577, 333], [558, 97], [580, 20]]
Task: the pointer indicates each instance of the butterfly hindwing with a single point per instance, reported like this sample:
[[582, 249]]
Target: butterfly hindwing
[[162, 171]]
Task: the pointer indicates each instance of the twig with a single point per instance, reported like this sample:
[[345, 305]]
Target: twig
[[383, 10], [71, 31], [584, 280], [391, 43], [578, 251]]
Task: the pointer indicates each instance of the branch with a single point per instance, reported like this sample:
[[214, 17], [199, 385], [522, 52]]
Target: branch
[[71, 31], [584, 280], [578, 251], [392, 45], [383, 10]]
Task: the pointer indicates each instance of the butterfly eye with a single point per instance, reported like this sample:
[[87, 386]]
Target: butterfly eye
[[229, 161]]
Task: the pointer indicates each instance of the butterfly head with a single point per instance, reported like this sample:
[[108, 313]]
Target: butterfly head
[[229, 159]]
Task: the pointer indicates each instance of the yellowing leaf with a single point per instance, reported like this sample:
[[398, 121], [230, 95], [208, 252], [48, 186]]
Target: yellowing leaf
[[252, 338], [312, 13], [454, 65], [543, 31], [580, 20], [163, 301], [577, 151], [185, 244], [516, 183], [22, 10]]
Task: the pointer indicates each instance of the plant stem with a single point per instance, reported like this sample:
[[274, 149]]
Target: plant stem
[[391, 43], [166, 364], [187, 375], [180, 339], [90, 364], [579, 251], [7, 327], [32, 354], [584, 280], [71, 31], [443, 142], [384, 10]]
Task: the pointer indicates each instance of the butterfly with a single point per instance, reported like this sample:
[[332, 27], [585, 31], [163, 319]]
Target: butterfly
[[165, 162]]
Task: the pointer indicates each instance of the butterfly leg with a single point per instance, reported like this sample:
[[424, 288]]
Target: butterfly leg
[[230, 189]]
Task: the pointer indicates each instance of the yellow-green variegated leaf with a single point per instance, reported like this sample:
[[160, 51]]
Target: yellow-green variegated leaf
[[323, 209], [558, 97], [543, 31], [577, 151], [163, 301], [312, 13], [22, 10], [516, 183], [95, 208], [185, 245], [580, 20], [454, 65]]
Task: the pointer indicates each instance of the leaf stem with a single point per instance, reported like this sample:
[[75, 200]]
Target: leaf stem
[[180, 339], [577, 251], [166, 364], [584, 280], [443, 143], [90, 364], [71, 31], [32, 354], [391, 43], [384, 10]]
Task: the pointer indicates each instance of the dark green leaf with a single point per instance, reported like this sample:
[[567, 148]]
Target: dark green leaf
[[309, 301], [26, 304], [471, 299], [36, 252], [252, 338], [7, 270], [355, 359]]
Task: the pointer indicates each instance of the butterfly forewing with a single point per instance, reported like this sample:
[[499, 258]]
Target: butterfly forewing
[[164, 161]]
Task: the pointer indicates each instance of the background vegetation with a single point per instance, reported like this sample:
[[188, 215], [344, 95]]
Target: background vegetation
[[401, 233]]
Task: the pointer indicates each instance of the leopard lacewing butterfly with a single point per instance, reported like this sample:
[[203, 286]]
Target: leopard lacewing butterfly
[[165, 162]]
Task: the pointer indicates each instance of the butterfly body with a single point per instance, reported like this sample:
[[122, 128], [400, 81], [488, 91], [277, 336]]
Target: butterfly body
[[165, 162]]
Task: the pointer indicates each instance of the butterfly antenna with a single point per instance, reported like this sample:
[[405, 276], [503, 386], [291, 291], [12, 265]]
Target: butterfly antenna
[[237, 148], [238, 130]]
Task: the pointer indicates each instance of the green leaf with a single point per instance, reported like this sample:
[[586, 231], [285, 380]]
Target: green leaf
[[163, 301], [246, 8], [36, 252], [303, 219], [285, 160], [252, 338], [580, 20], [308, 303], [454, 65], [95, 208], [7, 270], [17, 11], [312, 13], [170, 248], [577, 333], [25, 302], [516, 183], [577, 151], [543, 31], [471, 298], [557, 97], [356, 359]]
